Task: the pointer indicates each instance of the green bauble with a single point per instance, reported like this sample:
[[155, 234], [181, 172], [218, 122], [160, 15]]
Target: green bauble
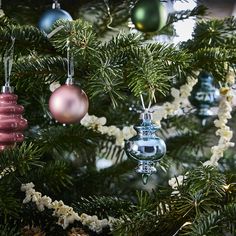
[[148, 15]]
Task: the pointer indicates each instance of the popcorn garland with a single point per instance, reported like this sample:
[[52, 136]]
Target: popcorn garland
[[174, 182], [224, 114], [98, 124], [64, 213], [180, 97], [7, 171], [223, 131]]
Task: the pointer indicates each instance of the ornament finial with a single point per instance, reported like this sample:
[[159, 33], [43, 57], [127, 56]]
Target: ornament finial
[[145, 178]]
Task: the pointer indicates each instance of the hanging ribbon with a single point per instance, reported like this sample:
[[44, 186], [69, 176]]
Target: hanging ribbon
[[70, 63], [150, 102], [8, 61]]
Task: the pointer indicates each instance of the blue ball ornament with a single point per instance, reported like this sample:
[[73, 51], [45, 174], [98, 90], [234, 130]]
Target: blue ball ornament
[[50, 17]]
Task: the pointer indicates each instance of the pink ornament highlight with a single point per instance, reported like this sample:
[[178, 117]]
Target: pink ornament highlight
[[12, 123]]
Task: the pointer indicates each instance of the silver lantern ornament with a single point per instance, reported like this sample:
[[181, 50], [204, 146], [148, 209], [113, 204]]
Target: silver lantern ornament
[[145, 147], [204, 95]]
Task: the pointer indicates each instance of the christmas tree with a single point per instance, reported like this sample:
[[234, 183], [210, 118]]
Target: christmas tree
[[74, 178]]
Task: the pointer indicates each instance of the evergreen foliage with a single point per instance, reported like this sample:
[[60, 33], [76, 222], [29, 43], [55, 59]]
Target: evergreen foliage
[[61, 160]]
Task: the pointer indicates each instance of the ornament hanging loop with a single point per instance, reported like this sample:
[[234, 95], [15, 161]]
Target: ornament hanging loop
[[110, 17], [8, 62], [146, 109], [70, 65]]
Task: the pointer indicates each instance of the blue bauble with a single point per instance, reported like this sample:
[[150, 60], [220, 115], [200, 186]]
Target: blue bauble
[[49, 18], [145, 147]]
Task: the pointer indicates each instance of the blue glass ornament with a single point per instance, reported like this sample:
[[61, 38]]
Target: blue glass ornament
[[50, 16], [204, 95], [145, 147]]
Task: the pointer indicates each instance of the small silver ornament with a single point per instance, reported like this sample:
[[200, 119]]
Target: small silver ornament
[[146, 147]]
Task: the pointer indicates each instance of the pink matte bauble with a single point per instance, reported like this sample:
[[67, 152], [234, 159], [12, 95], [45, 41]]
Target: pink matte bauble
[[68, 104], [12, 123]]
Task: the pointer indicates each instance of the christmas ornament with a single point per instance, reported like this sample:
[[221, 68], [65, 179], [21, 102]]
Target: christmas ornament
[[148, 15], [50, 16], [145, 147], [204, 95], [11, 121], [68, 104]]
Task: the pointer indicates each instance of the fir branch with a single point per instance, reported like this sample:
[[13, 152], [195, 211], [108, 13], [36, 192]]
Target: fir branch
[[47, 69], [54, 177], [145, 74], [212, 33], [8, 230], [62, 141], [107, 79], [103, 207], [81, 37], [9, 203], [208, 180], [22, 158], [185, 14], [215, 223], [26, 37]]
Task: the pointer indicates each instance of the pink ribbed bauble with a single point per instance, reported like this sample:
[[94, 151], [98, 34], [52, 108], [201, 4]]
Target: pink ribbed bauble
[[68, 104], [12, 123]]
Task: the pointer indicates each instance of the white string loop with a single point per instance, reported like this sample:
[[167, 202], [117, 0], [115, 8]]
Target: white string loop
[[70, 62], [8, 62]]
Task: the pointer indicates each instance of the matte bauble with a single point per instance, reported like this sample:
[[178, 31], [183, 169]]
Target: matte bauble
[[68, 104], [49, 18], [149, 15], [145, 147], [11, 121], [204, 95]]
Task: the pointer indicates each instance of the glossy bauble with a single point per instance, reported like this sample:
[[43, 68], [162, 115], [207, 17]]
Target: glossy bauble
[[68, 104], [49, 18], [204, 95], [145, 147], [12, 123], [149, 15]]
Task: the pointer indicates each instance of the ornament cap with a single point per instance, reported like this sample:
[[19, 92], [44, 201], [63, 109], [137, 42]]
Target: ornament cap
[[56, 5], [7, 89], [146, 116], [70, 81], [146, 126]]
